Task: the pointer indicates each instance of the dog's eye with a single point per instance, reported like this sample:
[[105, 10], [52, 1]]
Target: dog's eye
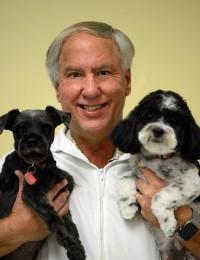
[[172, 120], [46, 128], [147, 116], [20, 129], [150, 116]]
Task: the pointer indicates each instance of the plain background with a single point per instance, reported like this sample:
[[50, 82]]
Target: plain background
[[166, 35]]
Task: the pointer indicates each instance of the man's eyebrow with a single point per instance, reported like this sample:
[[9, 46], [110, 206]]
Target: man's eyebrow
[[94, 68], [104, 66], [72, 68]]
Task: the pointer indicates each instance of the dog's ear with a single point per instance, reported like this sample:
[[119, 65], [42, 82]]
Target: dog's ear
[[7, 120], [59, 116], [192, 147], [124, 136]]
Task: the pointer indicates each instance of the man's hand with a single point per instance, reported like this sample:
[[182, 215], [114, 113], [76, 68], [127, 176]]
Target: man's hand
[[31, 226], [147, 188], [24, 224]]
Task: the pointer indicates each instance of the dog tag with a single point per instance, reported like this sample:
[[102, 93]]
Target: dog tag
[[30, 178]]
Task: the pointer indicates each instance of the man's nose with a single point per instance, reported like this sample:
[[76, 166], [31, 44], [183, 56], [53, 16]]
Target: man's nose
[[91, 87]]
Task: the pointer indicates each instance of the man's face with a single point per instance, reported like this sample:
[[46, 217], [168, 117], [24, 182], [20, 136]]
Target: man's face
[[92, 85]]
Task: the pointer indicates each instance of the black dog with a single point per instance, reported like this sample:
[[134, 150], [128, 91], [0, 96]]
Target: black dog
[[161, 134], [33, 132]]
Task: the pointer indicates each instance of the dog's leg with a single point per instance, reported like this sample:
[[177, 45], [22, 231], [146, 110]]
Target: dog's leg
[[76, 251], [126, 190], [176, 194], [163, 204], [8, 192], [39, 202]]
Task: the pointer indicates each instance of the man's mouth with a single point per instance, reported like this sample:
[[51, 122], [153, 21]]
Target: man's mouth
[[91, 108]]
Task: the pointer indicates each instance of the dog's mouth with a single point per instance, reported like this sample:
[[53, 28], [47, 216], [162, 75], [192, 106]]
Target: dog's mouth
[[32, 157], [155, 140], [33, 150], [158, 139]]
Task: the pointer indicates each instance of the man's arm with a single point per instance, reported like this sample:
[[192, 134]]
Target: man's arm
[[147, 189], [23, 224]]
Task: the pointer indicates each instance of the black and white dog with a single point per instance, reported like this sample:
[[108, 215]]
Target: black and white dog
[[33, 132], [162, 135]]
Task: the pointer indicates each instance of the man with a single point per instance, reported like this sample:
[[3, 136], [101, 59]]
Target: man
[[89, 65]]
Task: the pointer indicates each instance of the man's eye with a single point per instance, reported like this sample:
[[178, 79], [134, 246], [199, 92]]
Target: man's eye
[[73, 74], [103, 73]]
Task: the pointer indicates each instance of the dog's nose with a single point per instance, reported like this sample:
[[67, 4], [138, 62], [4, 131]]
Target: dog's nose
[[158, 132], [32, 143]]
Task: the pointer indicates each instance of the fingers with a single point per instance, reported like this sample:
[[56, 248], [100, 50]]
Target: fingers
[[63, 210], [151, 184], [145, 209], [149, 175], [59, 198], [53, 193], [56, 196], [147, 188], [60, 203], [139, 198], [20, 176]]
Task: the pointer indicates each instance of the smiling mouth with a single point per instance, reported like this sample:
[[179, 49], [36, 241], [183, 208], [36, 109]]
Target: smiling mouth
[[92, 108]]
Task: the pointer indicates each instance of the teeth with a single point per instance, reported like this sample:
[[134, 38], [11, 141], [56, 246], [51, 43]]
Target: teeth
[[92, 108]]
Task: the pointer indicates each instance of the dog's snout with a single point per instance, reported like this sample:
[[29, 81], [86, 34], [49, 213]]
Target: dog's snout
[[158, 132], [32, 142]]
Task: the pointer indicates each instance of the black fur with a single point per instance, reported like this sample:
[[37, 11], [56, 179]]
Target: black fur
[[149, 110], [33, 132], [162, 135]]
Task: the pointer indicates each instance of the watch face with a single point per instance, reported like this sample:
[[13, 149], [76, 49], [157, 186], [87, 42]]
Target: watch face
[[188, 231]]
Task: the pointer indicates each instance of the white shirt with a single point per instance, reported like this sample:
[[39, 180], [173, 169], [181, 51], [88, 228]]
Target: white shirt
[[105, 235]]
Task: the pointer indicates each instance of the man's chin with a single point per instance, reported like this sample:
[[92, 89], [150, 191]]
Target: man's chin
[[91, 131]]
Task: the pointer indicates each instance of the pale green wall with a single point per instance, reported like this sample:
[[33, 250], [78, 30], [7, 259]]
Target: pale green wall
[[166, 34]]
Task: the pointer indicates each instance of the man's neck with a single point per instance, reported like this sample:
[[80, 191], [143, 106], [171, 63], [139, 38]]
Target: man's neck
[[98, 152]]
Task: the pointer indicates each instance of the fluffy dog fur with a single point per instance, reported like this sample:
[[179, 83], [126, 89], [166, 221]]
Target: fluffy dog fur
[[33, 132], [162, 135]]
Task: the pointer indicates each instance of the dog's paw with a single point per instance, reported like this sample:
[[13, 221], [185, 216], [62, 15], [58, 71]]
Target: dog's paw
[[126, 187], [169, 230], [164, 215], [129, 212], [168, 223], [126, 191]]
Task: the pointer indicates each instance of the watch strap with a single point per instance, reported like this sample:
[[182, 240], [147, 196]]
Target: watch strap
[[191, 227]]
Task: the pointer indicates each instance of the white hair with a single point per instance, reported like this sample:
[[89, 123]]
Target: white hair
[[124, 45]]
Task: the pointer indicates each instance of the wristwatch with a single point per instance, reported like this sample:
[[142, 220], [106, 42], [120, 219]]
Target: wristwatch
[[190, 228]]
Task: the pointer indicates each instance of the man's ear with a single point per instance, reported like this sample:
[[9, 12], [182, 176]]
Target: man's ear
[[7, 120], [57, 93], [59, 116]]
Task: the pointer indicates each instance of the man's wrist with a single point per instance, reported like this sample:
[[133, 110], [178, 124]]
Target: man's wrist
[[183, 214], [188, 227]]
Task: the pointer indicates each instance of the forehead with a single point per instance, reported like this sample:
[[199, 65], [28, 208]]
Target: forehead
[[83, 47], [168, 102]]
